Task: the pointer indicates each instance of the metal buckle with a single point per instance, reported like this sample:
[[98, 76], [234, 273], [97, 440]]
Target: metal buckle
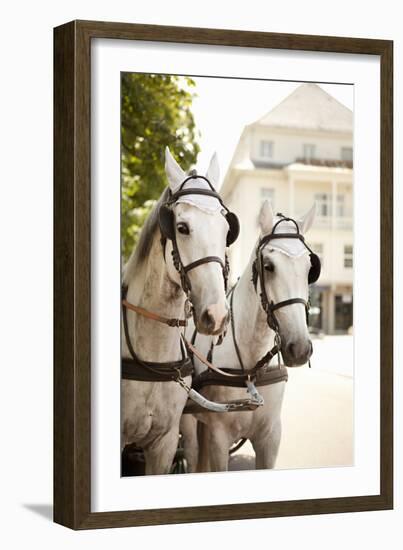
[[181, 382]]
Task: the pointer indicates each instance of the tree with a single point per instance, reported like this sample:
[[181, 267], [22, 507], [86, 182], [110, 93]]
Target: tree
[[156, 112]]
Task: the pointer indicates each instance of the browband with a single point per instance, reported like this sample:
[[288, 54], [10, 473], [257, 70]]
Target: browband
[[271, 236], [206, 192], [194, 177]]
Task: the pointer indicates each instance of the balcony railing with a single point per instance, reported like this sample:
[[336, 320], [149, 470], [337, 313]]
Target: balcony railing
[[329, 163]]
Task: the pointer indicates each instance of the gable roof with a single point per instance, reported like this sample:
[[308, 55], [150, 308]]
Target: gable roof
[[309, 107]]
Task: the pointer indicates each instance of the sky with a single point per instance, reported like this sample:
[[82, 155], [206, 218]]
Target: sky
[[223, 107]]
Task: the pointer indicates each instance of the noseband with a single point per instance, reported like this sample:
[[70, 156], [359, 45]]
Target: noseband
[[167, 227]]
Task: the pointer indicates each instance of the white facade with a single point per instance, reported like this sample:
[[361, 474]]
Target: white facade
[[299, 154]]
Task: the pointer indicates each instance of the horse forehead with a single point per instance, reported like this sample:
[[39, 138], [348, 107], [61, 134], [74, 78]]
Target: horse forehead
[[196, 216], [298, 256], [293, 248], [206, 203]]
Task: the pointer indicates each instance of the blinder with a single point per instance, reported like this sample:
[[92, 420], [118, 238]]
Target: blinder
[[234, 228], [166, 219], [314, 272]]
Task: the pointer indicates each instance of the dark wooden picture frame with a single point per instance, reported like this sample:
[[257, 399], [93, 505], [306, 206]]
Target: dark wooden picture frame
[[72, 269]]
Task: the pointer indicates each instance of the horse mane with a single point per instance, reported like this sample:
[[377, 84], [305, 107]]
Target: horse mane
[[142, 250]]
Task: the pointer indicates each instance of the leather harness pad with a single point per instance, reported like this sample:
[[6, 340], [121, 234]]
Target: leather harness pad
[[164, 372], [264, 377]]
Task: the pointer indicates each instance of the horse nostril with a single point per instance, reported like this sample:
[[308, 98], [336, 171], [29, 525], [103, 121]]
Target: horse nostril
[[208, 320], [299, 351], [290, 348]]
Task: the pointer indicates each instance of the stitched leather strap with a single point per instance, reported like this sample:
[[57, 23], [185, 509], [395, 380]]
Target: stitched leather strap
[[205, 260], [200, 357], [154, 316], [264, 377], [183, 192], [145, 371], [289, 302]]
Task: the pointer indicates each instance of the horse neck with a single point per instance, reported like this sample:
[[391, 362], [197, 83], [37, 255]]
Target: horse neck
[[151, 288], [253, 335]]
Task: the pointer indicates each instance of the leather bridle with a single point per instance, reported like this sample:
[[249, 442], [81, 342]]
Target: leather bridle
[[268, 306], [135, 368], [258, 275], [166, 217]]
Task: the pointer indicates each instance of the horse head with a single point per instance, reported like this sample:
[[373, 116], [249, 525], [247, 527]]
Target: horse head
[[287, 266], [198, 228]]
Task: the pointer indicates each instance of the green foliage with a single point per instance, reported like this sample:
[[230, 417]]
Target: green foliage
[[156, 112]]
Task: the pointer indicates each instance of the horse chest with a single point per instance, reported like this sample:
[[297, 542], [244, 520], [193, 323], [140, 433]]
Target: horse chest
[[151, 409]]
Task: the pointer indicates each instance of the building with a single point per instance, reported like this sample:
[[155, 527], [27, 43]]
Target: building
[[299, 153]]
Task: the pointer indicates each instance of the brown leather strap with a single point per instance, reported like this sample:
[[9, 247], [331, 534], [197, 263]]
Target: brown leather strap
[[147, 371], [200, 357], [154, 316], [289, 302], [202, 261], [264, 377]]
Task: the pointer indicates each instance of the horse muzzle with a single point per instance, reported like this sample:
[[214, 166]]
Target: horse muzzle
[[296, 353], [212, 321]]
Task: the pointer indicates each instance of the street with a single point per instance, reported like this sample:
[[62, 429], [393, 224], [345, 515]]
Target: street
[[317, 411]]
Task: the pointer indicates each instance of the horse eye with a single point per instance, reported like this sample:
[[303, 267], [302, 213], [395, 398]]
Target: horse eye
[[183, 228], [269, 267]]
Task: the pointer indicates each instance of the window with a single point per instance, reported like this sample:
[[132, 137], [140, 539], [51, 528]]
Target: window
[[348, 255], [309, 151], [340, 209], [266, 149], [267, 193], [347, 153], [323, 204]]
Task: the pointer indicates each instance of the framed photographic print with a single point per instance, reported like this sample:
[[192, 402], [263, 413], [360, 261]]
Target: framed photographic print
[[223, 275]]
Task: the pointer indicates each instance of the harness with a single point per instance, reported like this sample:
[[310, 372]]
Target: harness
[[261, 373], [134, 368]]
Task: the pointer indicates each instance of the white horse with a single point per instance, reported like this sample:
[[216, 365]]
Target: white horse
[[151, 411], [286, 264]]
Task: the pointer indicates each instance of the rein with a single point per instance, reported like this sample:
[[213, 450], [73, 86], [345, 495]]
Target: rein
[[269, 308], [171, 323], [267, 357], [178, 370], [137, 369], [240, 377], [170, 370], [153, 316]]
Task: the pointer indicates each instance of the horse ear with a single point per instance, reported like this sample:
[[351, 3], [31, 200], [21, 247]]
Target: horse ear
[[213, 172], [266, 218], [305, 223], [174, 172]]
